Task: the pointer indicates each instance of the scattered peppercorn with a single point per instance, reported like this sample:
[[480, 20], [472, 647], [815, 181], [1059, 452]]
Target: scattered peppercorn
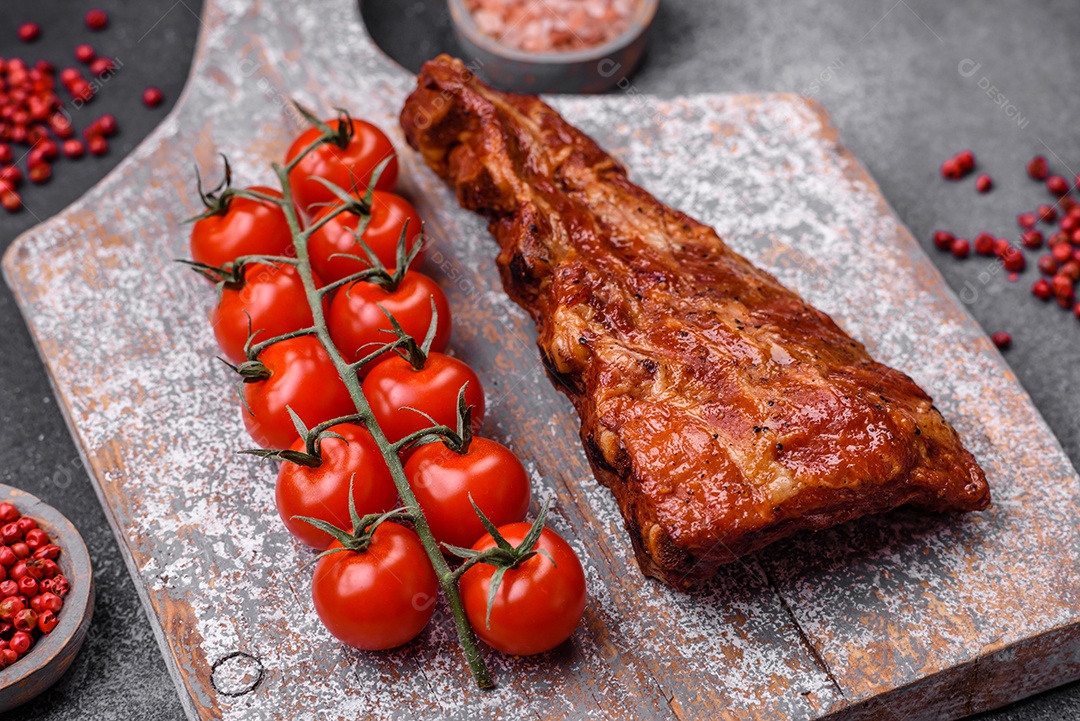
[[966, 159], [1002, 340], [1061, 252], [1063, 289], [29, 32], [105, 125], [1013, 260], [102, 66], [152, 97], [97, 145], [1057, 185], [85, 53], [69, 76], [943, 240], [11, 200], [40, 172], [958, 166], [73, 148], [961, 248], [985, 244], [950, 170], [1031, 239], [1047, 265], [1037, 168], [82, 90], [11, 175], [32, 112], [96, 19], [1060, 267]]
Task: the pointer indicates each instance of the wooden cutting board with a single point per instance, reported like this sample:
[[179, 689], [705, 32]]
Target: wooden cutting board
[[906, 616]]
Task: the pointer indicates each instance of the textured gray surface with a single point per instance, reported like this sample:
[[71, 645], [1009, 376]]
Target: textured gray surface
[[900, 103]]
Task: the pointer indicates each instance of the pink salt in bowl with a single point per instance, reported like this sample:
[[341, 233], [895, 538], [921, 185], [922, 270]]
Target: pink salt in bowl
[[588, 70]]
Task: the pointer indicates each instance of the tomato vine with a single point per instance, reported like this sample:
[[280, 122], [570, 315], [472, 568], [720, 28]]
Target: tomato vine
[[447, 577]]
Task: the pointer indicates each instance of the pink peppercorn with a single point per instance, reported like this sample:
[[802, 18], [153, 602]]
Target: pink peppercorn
[[943, 240], [1057, 185], [152, 97], [29, 32], [96, 19]]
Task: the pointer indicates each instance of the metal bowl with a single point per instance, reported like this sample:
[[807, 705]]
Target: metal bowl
[[592, 70], [52, 655]]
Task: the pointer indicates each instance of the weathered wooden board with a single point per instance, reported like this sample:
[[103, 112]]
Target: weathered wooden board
[[906, 616]]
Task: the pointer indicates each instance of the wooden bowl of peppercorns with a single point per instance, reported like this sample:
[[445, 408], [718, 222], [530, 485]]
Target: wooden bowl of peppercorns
[[71, 580]]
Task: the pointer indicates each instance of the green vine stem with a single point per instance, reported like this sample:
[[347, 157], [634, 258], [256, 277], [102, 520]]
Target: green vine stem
[[447, 577]]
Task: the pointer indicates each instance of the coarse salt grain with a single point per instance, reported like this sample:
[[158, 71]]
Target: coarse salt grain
[[551, 25]]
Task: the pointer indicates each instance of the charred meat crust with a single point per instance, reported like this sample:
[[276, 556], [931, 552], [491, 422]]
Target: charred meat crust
[[721, 410]]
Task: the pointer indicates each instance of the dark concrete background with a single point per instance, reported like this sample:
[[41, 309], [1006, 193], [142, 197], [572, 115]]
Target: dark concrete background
[[119, 674], [887, 70]]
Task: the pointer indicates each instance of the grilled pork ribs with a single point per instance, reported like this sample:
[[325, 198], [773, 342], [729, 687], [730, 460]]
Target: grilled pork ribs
[[721, 409]]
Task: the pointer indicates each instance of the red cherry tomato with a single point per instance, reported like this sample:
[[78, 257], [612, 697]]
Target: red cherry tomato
[[323, 492], [344, 167], [302, 377], [272, 297], [393, 384], [357, 324], [538, 604], [378, 598], [247, 227], [444, 480], [389, 213]]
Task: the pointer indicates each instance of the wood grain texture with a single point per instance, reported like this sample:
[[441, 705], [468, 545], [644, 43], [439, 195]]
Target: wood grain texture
[[49, 659], [901, 616]]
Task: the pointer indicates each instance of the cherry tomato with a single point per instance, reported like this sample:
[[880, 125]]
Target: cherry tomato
[[344, 167], [302, 377], [538, 604], [443, 481], [272, 297], [357, 324], [323, 492], [393, 384], [378, 598], [247, 227], [389, 213]]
